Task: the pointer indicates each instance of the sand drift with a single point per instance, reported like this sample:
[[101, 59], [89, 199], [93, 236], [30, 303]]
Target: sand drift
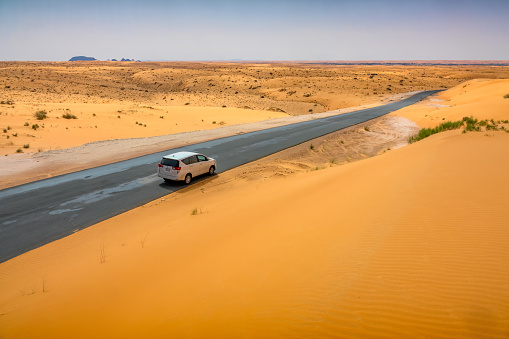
[[37, 213]]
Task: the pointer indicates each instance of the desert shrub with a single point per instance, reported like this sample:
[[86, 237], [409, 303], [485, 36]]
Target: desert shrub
[[41, 115], [19, 150], [506, 96], [69, 116], [35, 127], [26, 146], [366, 129], [426, 132], [26, 124]]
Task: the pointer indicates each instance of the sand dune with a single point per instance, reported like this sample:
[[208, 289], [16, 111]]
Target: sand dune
[[413, 243], [480, 98]]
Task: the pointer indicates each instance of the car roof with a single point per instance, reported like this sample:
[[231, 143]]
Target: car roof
[[180, 155]]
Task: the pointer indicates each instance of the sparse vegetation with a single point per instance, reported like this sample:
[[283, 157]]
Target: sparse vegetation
[[26, 124], [26, 146], [41, 115], [102, 253], [35, 127], [366, 128], [506, 96], [142, 242], [470, 125], [19, 150], [311, 147], [426, 132], [69, 116]]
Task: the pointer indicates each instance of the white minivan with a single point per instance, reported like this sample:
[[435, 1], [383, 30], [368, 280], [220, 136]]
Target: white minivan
[[185, 166]]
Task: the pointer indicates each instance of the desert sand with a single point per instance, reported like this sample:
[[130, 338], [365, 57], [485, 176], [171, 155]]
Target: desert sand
[[116, 100], [479, 98], [305, 243]]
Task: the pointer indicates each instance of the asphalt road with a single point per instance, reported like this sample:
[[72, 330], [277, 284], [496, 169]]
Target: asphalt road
[[37, 213]]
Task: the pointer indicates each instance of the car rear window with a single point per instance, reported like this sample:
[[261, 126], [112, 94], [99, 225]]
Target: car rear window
[[170, 162]]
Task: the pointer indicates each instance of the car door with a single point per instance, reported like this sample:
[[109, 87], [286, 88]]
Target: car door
[[204, 163], [194, 165]]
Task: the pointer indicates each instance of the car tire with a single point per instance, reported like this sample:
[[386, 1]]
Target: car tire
[[212, 170], [188, 178]]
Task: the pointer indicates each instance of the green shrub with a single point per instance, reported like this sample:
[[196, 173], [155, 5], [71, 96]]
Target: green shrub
[[35, 127], [426, 132], [41, 115], [506, 96], [26, 146], [69, 116]]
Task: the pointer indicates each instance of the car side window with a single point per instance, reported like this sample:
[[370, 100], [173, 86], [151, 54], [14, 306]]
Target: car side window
[[201, 158], [192, 159], [186, 161]]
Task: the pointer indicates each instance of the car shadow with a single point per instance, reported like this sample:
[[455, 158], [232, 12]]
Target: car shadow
[[197, 183]]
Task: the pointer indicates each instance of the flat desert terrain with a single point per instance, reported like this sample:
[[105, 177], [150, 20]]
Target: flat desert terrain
[[310, 242]]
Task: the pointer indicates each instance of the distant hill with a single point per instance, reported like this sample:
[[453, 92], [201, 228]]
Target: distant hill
[[82, 58]]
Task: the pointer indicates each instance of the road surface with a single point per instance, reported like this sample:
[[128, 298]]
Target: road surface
[[40, 212]]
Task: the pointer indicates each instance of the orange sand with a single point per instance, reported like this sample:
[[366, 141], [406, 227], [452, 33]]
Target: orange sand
[[480, 98], [413, 243], [110, 121], [190, 96]]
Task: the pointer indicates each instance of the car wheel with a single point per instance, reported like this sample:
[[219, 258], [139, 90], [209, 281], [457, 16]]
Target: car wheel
[[212, 169], [188, 178]]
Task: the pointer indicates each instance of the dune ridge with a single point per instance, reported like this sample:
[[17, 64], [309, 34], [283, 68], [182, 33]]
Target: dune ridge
[[389, 246]]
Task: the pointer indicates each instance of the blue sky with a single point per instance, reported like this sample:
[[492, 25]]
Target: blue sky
[[55, 30]]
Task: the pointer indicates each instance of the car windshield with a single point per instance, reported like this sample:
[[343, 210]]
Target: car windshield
[[170, 162]]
